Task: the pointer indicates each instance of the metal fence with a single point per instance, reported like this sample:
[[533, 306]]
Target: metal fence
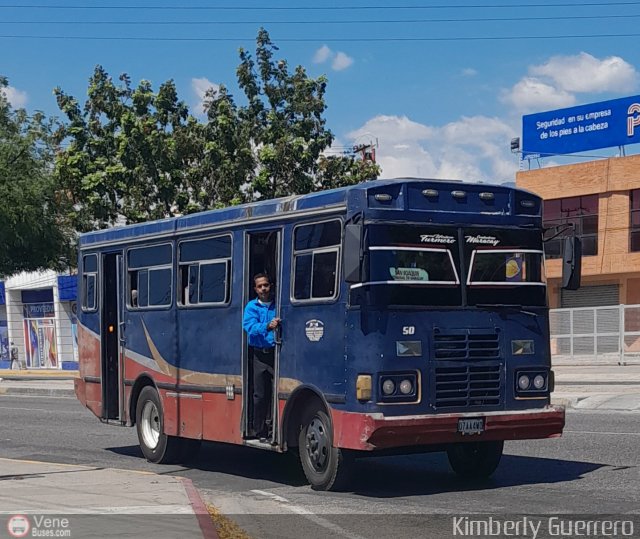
[[595, 335]]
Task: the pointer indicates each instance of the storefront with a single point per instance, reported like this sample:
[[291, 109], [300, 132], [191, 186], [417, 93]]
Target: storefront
[[40, 321]]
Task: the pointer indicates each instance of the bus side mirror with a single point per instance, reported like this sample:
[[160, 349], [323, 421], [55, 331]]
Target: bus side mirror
[[352, 250], [571, 263]]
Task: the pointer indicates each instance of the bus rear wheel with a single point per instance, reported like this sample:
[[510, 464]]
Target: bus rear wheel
[[157, 446], [325, 466], [475, 460]]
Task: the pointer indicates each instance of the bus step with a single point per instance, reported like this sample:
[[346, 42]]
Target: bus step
[[253, 442]]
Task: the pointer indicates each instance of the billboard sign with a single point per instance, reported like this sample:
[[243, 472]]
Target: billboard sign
[[582, 128]]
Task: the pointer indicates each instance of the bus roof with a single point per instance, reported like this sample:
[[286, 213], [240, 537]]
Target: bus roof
[[318, 202]]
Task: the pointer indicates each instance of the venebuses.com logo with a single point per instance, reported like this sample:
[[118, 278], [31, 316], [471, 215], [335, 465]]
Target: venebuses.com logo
[[18, 526], [38, 526]]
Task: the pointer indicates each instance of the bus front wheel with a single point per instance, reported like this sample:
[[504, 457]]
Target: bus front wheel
[[156, 446], [475, 460], [325, 467]]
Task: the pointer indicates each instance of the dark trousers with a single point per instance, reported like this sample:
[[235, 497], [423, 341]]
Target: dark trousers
[[262, 362]]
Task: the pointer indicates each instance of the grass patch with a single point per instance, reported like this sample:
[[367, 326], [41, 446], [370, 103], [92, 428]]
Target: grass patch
[[226, 528]]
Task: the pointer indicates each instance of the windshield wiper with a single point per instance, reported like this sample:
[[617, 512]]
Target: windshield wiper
[[509, 306]]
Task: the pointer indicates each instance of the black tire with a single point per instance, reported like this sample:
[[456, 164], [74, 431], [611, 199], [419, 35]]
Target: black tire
[[325, 467], [475, 460], [156, 446]]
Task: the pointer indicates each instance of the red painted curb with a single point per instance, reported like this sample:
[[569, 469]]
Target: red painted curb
[[200, 509]]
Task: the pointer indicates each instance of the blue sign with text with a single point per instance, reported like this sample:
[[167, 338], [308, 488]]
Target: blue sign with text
[[582, 128]]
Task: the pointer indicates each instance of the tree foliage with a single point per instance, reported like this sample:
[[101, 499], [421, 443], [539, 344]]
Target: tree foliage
[[134, 154], [33, 232]]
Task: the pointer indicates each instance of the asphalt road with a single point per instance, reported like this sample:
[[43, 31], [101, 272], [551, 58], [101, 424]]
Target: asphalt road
[[593, 469]]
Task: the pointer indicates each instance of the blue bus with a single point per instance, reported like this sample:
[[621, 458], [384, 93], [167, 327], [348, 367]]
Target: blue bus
[[414, 318]]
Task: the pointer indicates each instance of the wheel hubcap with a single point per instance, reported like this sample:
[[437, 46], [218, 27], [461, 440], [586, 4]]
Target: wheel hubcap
[[150, 425], [317, 444]]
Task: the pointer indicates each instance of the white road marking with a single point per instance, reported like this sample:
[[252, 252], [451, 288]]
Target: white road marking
[[309, 515], [602, 432]]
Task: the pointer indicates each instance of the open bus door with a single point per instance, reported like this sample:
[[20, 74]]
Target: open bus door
[[263, 250], [111, 360]]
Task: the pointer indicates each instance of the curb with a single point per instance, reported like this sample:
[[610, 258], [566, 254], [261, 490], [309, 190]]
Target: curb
[[200, 509], [567, 402], [13, 374], [37, 392]]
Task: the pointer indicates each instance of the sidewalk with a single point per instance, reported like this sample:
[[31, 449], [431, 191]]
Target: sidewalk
[[96, 502], [614, 387], [608, 387]]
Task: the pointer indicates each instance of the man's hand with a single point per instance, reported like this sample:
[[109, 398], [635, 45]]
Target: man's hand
[[273, 324]]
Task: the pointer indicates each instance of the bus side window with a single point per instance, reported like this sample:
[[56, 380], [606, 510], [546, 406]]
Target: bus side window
[[89, 283], [315, 260], [205, 271], [150, 276]]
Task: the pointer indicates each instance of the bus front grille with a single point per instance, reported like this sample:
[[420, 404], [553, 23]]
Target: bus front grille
[[466, 346], [467, 387]]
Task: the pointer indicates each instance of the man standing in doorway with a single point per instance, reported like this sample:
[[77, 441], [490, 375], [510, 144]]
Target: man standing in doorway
[[260, 323]]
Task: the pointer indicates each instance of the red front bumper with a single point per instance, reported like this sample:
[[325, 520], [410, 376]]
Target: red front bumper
[[375, 431]]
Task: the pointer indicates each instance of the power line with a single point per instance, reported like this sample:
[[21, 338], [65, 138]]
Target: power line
[[322, 22], [318, 39], [315, 8]]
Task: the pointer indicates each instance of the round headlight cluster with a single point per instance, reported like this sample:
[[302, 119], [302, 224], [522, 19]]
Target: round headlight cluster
[[533, 381], [388, 387], [524, 382]]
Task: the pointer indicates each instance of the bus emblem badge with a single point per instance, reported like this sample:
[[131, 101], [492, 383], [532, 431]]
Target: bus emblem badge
[[314, 330]]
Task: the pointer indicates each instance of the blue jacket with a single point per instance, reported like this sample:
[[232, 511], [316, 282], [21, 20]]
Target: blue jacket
[[255, 321]]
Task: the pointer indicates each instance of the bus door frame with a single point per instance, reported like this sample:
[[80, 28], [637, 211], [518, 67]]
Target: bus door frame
[[113, 262], [249, 294]]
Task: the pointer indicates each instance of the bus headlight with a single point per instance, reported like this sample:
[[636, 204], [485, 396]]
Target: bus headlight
[[523, 382], [406, 387], [539, 381], [533, 382], [398, 387], [388, 387]]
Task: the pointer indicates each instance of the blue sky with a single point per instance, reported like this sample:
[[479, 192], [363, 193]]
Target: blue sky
[[440, 84]]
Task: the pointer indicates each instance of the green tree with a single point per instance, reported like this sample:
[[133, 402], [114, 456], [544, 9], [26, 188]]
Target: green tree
[[285, 111], [133, 154], [33, 232], [129, 154]]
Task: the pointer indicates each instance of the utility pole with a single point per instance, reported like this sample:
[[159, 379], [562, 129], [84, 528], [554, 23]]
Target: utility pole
[[367, 151]]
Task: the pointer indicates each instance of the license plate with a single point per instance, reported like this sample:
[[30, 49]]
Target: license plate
[[473, 425]]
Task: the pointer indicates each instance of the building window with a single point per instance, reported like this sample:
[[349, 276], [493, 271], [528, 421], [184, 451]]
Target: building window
[[580, 211], [634, 221]]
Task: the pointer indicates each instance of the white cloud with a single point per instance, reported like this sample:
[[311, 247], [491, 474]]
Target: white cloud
[[17, 98], [469, 72], [471, 149], [200, 87], [322, 55], [532, 94], [341, 61], [585, 73]]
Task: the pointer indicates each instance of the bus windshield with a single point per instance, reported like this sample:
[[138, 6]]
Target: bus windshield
[[504, 266], [421, 265], [412, 265]]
